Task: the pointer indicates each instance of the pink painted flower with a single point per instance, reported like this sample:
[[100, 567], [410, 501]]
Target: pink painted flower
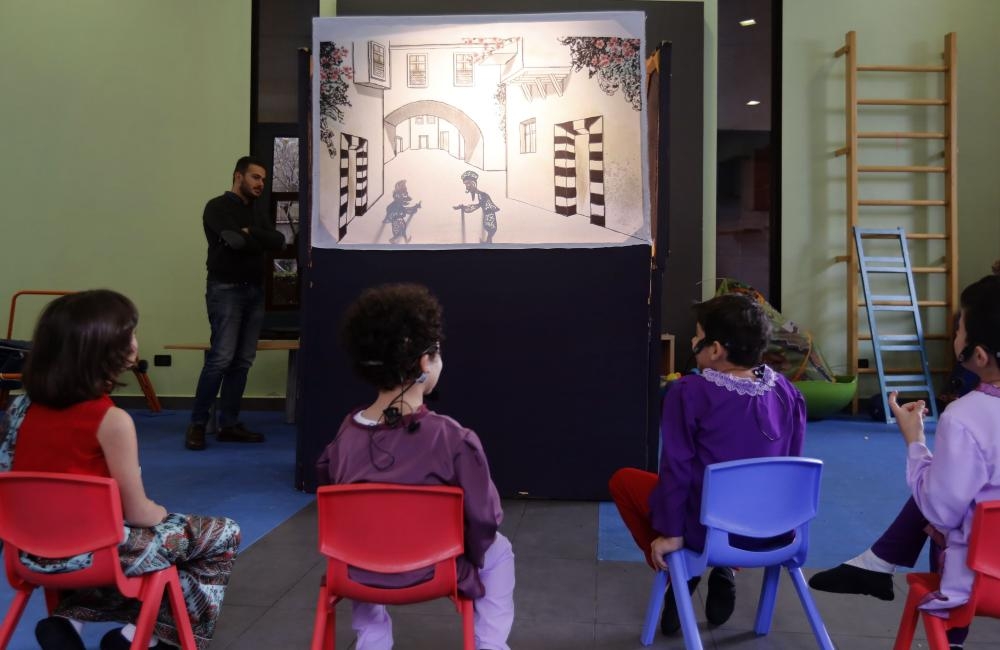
[[599, 42]]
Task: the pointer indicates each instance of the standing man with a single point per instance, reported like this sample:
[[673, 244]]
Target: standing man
[[480, 201], [238, 241]]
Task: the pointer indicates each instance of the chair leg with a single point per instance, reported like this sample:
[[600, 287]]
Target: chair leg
[[685, 610], [812, 613], [14, 612], [937, 639], [146, 385], [182, 618], [51, 600], [653, 608], [152, 596], [908, 621], [468, 625], [323, 623], [765, 605]]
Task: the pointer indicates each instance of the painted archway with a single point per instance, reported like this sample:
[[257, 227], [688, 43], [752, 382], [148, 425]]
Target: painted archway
[[472, 135]]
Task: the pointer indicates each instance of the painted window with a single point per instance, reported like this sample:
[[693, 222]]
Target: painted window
[[463, 69], [528, 136], [376, 60], [419, 119], [416, 73]]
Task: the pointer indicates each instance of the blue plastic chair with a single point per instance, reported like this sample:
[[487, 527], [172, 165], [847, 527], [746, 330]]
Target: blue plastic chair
[[757, 497]]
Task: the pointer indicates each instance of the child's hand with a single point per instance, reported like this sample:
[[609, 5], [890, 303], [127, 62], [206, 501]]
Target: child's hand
[[909, 418], [661, 546]]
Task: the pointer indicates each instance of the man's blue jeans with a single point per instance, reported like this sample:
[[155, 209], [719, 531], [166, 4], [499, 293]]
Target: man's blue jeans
[[235, 312]]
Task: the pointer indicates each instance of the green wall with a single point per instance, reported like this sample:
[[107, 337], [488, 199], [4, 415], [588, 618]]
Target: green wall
[[812, 186], [120, 118]]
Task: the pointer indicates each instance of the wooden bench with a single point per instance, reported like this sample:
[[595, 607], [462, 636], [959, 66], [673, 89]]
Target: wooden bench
[[291, 386]]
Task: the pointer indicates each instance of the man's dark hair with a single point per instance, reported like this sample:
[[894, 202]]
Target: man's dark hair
[[244, 163], [738, 323], [386, 331], [981, 309], [81, 344]]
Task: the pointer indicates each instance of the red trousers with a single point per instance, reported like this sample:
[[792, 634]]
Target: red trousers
[[630, 490]]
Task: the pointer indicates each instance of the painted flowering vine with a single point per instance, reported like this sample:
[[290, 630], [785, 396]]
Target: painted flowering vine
[[489, 45], [614, 60], [333, 83], [500, 100]]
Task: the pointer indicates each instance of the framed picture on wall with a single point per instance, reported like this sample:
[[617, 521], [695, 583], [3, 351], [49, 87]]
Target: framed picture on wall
[[282, 282], [282, 287]]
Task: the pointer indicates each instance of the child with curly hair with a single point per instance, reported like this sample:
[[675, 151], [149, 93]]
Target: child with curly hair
[[393, 335]]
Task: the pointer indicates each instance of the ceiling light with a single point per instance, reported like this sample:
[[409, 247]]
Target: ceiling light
[[753, 102], [747, 22]]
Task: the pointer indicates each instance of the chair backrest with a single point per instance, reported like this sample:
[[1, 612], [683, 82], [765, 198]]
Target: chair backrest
[[760, 498], [390, 528], [53, 515], [984, 558]]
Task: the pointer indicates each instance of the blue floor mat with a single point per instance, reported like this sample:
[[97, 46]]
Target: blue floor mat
[[250, 483], [864, 486]]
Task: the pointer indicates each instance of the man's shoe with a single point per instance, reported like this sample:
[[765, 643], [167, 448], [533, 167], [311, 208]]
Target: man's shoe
[[238, 433], [849, 579], [670, 622], [113, 640], [721, 599], [57, 633], [194, 439]]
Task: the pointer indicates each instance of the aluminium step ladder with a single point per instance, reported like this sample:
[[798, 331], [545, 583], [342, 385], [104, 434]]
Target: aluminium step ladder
[[891, 272]]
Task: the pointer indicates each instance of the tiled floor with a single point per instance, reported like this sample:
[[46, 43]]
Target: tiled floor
[[565, 598]]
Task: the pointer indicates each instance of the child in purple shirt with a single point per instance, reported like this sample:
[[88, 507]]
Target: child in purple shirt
[[393, 335], [736, 408]]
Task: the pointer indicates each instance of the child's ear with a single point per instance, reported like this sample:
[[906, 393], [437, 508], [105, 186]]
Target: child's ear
[[984, 357]]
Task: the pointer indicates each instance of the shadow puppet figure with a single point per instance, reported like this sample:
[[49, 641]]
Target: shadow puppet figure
[[399, 214], [480, 200]]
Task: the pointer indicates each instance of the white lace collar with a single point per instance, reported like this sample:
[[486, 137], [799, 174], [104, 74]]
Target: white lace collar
[[741, 385]]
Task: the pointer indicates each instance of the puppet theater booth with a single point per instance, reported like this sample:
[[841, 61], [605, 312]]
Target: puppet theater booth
[[502, 162]]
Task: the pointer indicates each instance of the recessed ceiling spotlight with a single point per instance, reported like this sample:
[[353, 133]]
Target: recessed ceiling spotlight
[[748, 22], [753, 102]]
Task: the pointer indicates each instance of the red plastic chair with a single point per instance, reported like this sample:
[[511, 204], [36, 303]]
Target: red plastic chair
[[62, 515], [389, 528], [984, 560]]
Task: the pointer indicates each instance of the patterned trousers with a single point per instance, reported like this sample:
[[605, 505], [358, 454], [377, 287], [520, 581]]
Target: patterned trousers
[[203, 550]]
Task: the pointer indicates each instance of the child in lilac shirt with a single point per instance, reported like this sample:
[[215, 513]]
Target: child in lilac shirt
[[946, 485]]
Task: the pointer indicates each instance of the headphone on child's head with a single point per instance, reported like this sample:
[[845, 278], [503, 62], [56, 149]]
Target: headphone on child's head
[[706, 341], [392, 415], [702, 343]]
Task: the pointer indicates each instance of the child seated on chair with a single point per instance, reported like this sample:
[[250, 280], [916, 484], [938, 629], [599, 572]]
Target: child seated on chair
[[735, 408], [393, 336], [67, 423], [948, 484]]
